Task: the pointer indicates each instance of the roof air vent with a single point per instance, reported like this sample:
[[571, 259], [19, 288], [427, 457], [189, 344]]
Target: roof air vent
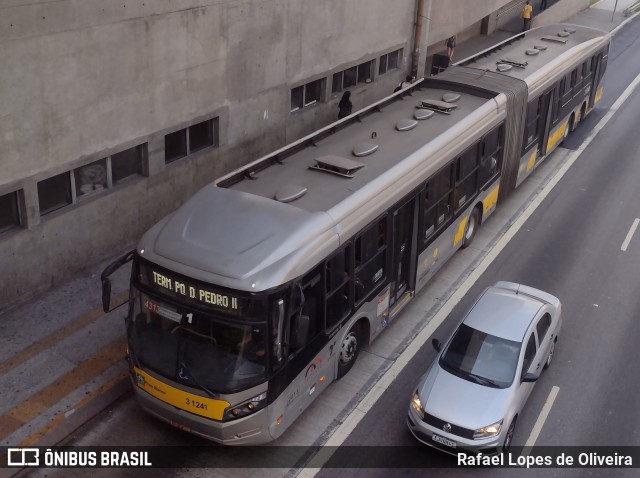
[[517, 64], [422, 114], [290, 192], [503, 67], [406, 124], [437, 106], [450, 97], [337, 165], [563, 34], [364, 149], [570, 30], [532, 51], [540, 47], [554, 39]]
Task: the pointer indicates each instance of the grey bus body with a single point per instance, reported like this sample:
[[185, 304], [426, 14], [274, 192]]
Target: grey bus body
[[311, 251]]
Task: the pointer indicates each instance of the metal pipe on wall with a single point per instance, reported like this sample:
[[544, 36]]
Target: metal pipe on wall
[[423, 9]]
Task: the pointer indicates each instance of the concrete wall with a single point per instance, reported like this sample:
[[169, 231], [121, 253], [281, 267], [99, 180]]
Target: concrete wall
[[449, 17], [562, 9]]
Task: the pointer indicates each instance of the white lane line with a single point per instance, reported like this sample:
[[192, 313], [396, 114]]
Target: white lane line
[[544, 413], [627, 239], [350, 423]]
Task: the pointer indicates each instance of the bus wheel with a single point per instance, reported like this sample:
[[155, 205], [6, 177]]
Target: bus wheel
[[471, 227], [573, 123], [349, 349]]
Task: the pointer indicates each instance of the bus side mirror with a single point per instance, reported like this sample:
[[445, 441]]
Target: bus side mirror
[[106, 294], [106, 283], [436, 344], [301, 331]]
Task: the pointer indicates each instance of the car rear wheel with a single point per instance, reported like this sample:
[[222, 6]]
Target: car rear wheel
[[509, 438], [349, 349], [550, 356]]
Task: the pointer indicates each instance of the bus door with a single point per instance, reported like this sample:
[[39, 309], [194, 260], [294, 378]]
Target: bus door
[[404, 254], [595, 79], [546, 110]]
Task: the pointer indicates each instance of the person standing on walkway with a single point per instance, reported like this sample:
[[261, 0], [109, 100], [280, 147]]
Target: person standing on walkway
[[451, 45], [345, 105], [527, 13]]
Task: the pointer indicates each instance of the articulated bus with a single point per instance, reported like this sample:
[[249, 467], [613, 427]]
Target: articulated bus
[[252, 297]]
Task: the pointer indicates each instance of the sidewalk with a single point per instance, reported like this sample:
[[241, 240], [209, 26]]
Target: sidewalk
[[62, 358], [600, 15]]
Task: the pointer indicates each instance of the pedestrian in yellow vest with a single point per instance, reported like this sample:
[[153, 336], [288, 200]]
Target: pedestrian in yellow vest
[[527, 14]]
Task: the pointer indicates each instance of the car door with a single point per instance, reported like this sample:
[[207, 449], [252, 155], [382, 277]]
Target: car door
[[529, 364], [545, 337]]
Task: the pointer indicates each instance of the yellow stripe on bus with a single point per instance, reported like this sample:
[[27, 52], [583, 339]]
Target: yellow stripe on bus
[[203, 406], [556, 136], [460, 234], [532, 160], [598, 94], [490, 201]]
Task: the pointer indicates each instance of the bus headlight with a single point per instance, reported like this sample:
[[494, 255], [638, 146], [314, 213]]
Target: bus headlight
[[247, 408], [417, 405]]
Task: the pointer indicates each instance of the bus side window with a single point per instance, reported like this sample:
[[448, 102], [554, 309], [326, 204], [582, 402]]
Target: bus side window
[[306, 300], [437, 207], [371, 259], [467, 177], [338, 288]]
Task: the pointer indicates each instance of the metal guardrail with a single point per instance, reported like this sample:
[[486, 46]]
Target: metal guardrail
[[517, 6], [631, 9]]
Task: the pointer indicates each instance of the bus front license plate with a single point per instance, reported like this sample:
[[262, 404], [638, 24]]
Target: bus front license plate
[[443, 441]]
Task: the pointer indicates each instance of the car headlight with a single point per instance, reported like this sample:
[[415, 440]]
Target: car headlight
[[417, 405], [488, 431]]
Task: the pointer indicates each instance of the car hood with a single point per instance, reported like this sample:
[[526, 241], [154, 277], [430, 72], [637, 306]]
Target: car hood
[[460, 402]]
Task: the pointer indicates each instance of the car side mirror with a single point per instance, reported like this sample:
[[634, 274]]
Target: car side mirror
[[436, 344], [530, 377]]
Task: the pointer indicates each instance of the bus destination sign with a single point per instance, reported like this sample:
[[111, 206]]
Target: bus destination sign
[[193, 291]]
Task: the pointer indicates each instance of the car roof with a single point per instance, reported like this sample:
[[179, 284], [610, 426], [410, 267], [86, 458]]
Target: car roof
[[503, 313]]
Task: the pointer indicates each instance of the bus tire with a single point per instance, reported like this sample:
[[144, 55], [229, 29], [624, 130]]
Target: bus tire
[[573, 123], [349, 350], [470, 228]]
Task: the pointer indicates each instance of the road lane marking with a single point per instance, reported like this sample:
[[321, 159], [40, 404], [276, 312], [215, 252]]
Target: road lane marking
[[62, 416], [351, 421], [544, 413], [627, 239], [59, 335], [29, 408]]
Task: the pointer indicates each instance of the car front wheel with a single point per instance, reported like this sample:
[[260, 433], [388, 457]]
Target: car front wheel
[[509, 438], [550, 356]]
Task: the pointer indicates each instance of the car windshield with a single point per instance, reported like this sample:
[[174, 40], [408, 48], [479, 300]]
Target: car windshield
[[196, 349], [481, 358]]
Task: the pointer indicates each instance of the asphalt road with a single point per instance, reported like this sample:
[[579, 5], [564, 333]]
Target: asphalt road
[[571, 246]]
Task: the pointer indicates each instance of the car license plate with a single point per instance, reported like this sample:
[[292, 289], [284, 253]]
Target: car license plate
[[443, 440]]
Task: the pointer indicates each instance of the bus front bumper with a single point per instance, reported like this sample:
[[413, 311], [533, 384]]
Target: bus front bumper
[[250, 430]]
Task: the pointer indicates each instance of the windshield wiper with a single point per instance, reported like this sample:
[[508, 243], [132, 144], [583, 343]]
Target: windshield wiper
[[483, 380], [192, 377]]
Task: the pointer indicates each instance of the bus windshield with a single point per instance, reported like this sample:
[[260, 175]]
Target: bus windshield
[[199, 350]]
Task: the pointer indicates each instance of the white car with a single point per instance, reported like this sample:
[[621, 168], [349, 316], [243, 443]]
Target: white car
[[472, 395]]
